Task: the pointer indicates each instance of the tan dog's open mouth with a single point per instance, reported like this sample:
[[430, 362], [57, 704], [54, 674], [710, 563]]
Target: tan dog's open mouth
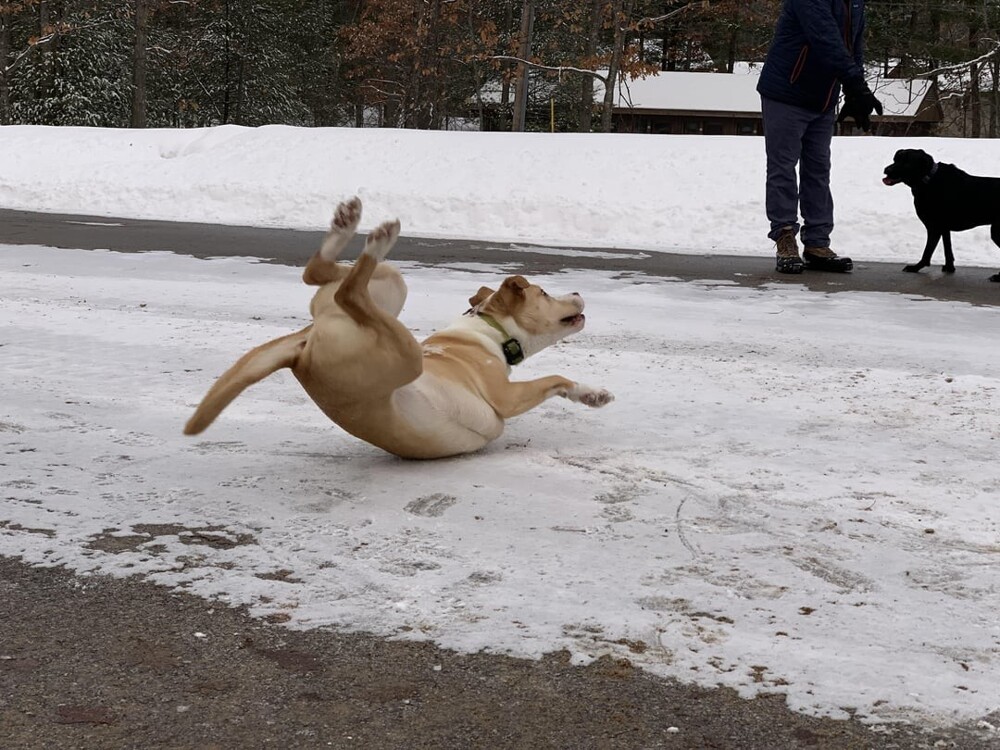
[[574, 320]]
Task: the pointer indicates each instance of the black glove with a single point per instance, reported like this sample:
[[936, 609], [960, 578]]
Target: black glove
[[859, 103]]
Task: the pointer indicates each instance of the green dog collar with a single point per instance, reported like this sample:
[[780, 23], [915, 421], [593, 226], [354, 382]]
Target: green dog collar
[[512, 350]]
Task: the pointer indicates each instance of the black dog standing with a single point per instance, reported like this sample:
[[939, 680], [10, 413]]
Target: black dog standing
[[947, 200]]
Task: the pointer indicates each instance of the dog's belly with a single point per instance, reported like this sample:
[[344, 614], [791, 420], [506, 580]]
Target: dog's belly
[[447, 419], [958, 205]]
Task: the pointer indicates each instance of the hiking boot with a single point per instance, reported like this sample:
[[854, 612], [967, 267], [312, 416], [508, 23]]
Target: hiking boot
[[788, 260], [824, 259]]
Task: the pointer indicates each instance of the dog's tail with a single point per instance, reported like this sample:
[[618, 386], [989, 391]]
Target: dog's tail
[[252, 367]]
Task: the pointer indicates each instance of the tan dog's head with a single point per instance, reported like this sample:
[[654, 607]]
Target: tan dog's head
[[529, 314]]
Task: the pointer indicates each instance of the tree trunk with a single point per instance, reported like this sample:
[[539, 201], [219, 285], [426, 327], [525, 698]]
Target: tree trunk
[[46, 82], [665, 45], [975, 100], [995, 99], [975, 104], [240, 90], [585, 112], [430, 107], [139, 64], [227, 64], [621, 13], [508, 26], [731, 50], [523, 51], [4, 57]]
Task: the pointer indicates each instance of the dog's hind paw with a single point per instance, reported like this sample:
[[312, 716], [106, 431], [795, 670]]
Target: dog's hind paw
[[995, 277], [593, 397], [915, 268], [346, 216], [947, 269], [381, 239]]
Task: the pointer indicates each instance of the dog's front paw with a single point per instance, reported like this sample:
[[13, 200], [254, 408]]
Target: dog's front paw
[[948, 268], [593, 397], [915, 268], [994, 277]]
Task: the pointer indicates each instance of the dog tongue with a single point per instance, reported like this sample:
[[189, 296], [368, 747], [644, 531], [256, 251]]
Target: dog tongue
[[887, 181]]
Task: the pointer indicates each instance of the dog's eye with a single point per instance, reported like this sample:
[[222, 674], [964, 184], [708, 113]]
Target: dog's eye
[[544, 293]]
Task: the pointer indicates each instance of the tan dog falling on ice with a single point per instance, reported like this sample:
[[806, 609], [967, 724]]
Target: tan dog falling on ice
[[368, 373]]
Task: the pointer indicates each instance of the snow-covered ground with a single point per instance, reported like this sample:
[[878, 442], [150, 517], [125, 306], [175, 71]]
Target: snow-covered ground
[[793, 492], [687, 194]]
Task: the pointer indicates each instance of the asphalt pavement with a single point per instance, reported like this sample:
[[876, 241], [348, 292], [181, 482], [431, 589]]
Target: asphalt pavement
[[292, 247], [92, 662]]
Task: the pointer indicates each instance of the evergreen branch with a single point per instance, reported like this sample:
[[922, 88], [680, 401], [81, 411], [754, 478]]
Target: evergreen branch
[[60, 30], [209, 97]]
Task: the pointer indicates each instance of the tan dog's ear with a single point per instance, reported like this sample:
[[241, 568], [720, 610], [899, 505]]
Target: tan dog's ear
[[516, 284], [479, 297], [509, 296]]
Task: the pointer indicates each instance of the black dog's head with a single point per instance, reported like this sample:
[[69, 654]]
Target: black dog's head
[[909, 165]]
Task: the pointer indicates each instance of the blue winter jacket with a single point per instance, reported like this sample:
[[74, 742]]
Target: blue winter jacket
[[817, 45]]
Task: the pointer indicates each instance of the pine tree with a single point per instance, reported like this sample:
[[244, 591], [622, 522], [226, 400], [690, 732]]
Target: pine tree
[[81, 76]]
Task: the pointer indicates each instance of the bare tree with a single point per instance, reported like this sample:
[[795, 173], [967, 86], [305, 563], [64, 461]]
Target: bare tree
[[621, 13], [585, 112], [4, 56], [142, 11], [994, 126], [523, 52]]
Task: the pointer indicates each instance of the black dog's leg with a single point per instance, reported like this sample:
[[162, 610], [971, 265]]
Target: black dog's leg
[[949, 259], [995, 236], [933, 237]]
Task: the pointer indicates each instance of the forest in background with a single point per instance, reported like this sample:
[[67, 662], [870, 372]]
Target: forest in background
[[429, 63]]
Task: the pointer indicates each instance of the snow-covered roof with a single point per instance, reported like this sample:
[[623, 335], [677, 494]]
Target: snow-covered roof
[[902, 97], [689, 92], [730, 93], [737, 93]]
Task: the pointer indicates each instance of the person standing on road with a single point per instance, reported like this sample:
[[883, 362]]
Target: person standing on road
[[818, 47]]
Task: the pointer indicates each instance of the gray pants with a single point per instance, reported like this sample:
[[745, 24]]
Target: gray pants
[[796, 136]]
